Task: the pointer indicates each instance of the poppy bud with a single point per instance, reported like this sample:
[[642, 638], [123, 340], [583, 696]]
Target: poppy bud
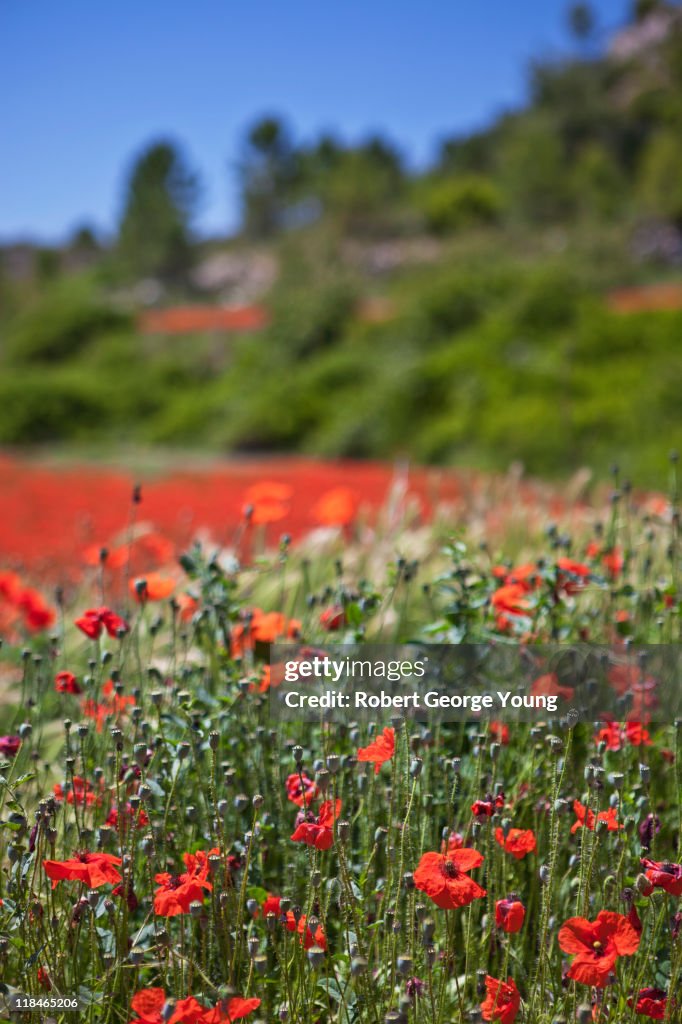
[[257, 801], [283, 1013]]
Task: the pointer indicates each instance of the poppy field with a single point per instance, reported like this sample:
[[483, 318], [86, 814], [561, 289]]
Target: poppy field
[[172, 853]]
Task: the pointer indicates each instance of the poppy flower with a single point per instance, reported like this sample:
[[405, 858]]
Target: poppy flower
[[300, 789], [519, 841], [597, 945], [307, 937], [112, 703], [611, 558], [93, 869], [262, 627], [152, 587], [511, 598], [187, 605], [271, 905], [37, 613], [616, 736], [267, 502], [548, 685], [94, 620], [664, 875], [149, 1002], [66, 682], [138, 818], [379, 750], [486, 808], [176, 892], [333, 618], [318, 831], [230, 1010], [572, 575], [499, 731], [509, 915], [336, 507], [9, 745], [79, 792], [651, 1002], [502, 1000], [445, 879], [585, 818], [525, 575]]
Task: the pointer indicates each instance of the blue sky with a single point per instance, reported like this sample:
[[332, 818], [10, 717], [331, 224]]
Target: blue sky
[[85, 84]]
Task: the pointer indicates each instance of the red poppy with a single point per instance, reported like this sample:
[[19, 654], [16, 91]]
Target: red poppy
[[230, 1010], [154, 586], [37, 613], [187, 605], [518, 841], [307, 937], [94, 620], [548, 685], [572, 575], [9, 745], [502, 1000], [149, 1002], [445, 880], [525, 575], [138, 819], [500, 732], [318, 832], [651, 1002], [44, 979], [611, 558], [486, 808], [176, 892], [112, 703], [267, 502], [509, 915], [300, 789], [615, 736], [597, 944], [271, 905], [93, 869], [585, 818], [80, 792], [333, 618], [262, 627], [511, 598], [65, 682], [664, 875], [379, 750], [336, 507]]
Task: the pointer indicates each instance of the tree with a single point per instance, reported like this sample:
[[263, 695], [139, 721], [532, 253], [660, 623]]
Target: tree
[[155, 234], [268, 171], [581, 21]]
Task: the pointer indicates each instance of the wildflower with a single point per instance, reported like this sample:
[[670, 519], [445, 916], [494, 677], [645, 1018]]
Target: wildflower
[[548, 685], [445, 879], [93, 869], [651, 1002], [649, 828], [176, 892], [572, 575], [112, 703], [597, 945], [379, 750], [616, 736], [414, 988], [333, 618], [509, 914], [486, 808], [511, 598], [499, 731], [66, 682], [152, 587], [94, 620], [664, 875], [230, 1010], [138, 819], [37, 613], [308, 938], [262, 627], [502, 1000], [336, 507], [79, 792], [43, 977], [318, 832], [9, 745], [585, 818], [149, 1002], [518, 841], [267, 502], [300, 789]]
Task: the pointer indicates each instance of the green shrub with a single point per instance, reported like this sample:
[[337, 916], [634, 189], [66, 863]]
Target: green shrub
[[463, 202]]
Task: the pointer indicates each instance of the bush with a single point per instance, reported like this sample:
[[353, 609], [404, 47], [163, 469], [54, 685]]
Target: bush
[[462, 202]]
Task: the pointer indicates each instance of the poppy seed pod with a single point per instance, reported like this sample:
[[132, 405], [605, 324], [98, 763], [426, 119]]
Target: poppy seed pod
[[285, 904], [416, 767], [358, 966], [645, 773], [271, 921], [343, 829], [196, 908], [405, 964], [260, 964], [298, 754], [136, 956], [167, 1010], [283, 1013], [257, 801], [254, 945], [333, 763], [315, 956]]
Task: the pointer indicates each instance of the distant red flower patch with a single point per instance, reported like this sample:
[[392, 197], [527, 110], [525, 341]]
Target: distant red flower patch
[[9, 745], [267, 502], [152, 587], [585, 818], [333, 618], [262, 627], [80, 792], [308, 938], [336, 507]]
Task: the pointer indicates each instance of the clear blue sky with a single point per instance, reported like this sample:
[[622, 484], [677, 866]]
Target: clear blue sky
[[86, 83]]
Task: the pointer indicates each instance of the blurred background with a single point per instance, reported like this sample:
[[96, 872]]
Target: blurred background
[[444, 234]]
